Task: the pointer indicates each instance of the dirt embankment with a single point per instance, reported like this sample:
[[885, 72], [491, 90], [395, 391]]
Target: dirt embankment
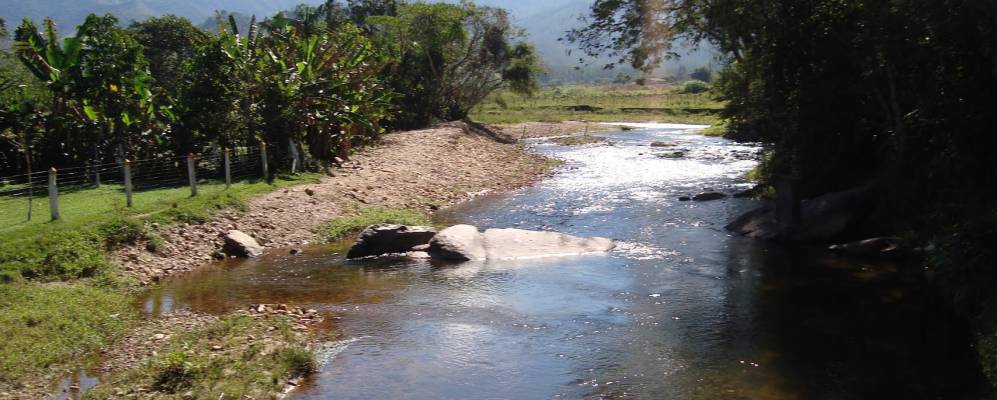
[[425, 169]]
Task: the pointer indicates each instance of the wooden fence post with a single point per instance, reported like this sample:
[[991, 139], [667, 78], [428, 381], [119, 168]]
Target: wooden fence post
[[128, 182], [263, 158], [228, 168], [191, 174], [53, 194]]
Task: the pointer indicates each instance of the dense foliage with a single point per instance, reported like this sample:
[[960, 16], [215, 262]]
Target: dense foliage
[[324, 79], [898, 94]]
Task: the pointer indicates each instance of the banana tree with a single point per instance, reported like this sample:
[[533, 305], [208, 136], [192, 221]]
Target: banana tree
[[323, 87]]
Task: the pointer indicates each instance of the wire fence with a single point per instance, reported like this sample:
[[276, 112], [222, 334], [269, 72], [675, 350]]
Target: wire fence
[[49, 194]]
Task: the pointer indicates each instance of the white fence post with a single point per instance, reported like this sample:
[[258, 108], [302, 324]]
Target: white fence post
[[263, 157], [228, 168], [53, 194], [294, 157], [128, 182], [191, 175]]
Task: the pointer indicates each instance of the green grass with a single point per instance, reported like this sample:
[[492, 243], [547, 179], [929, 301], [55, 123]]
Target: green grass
[[613, 103], [72, 247], [578, 140], [342, 227], [236, 357], [719, 128], [45, 326], [48, 327]]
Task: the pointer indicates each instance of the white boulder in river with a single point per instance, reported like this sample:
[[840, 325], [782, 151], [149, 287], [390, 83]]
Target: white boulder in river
[[464, 242]]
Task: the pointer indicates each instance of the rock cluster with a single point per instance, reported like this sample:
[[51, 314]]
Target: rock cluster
[[465, 243]]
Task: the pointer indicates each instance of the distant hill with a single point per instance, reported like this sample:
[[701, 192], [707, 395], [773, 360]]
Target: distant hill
[[544, 21], [69, 13]]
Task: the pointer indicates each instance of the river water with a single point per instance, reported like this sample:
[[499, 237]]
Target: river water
[[681, 310]]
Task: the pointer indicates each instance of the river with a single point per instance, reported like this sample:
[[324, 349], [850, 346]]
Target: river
[[681, 310]]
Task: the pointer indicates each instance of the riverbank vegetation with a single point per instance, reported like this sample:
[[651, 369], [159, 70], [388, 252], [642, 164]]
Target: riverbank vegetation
[[235, 357], [326, 80], [601, 103], [887, 96]]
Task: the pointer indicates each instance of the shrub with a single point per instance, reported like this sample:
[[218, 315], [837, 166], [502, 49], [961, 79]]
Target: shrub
[[297, 361], [695, 86], [121, 231], [176, 372], [153, 242]]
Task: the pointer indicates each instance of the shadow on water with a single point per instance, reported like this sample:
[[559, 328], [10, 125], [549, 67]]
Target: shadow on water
[[681, 310]]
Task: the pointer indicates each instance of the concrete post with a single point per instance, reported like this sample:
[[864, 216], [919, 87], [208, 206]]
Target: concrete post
[[263, 158], [294, 157], [191, 175], [128, 182], [228, 168], [53, 194]]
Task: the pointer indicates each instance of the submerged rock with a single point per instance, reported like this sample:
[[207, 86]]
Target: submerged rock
[[458, 243], [869, 247], [708, 196], [519, 243], [824, 218], [464, 242], [384, 239], [240, 244], [663, 144]]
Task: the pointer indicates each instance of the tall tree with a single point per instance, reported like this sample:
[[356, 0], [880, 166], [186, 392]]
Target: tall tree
[[449, 57]]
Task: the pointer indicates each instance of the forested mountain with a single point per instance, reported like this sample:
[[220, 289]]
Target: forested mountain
[[544, 22]]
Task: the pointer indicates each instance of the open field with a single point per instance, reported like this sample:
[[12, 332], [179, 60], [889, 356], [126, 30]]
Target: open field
[[604, 103]]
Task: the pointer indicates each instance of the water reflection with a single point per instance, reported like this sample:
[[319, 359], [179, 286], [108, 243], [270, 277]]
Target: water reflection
[[681, 310]]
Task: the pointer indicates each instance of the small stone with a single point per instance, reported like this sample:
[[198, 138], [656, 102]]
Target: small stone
[[159, 336], [295, 252], [685, 198], [309, 192], [216, 347]]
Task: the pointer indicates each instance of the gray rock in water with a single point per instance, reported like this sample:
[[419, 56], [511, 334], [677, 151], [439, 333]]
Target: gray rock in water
[[383, 239], [708, 196], [458, 243], [240, 244], [823, 218], [869, 247], [518, 243]]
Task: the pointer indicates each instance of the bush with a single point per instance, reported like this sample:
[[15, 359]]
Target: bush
[[153, 242], [176, 372], [121, 231], [695, 86], [298, 362]]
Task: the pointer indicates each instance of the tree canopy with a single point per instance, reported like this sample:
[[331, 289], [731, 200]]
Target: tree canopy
[[325, 78]]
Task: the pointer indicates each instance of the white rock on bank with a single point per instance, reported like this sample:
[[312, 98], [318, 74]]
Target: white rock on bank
[[240, 244]]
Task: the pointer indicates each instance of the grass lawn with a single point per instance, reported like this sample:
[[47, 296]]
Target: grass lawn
[[60, 299], [600, 103]]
